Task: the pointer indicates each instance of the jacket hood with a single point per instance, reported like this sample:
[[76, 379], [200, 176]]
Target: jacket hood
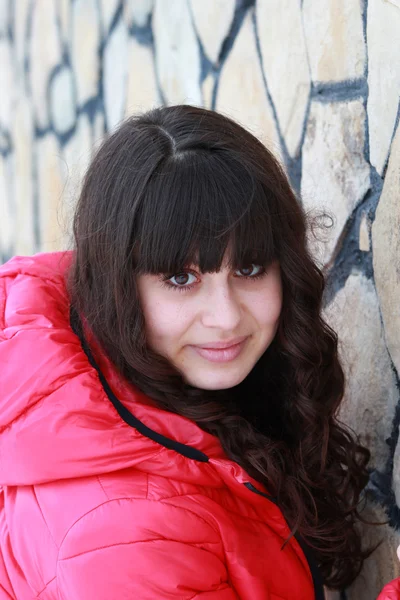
[[58, 420]]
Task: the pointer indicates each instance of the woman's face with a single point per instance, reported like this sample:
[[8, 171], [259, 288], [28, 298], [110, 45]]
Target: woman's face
[[212, 327]]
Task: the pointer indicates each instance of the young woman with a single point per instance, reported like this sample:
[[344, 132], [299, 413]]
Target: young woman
[[169, 389]]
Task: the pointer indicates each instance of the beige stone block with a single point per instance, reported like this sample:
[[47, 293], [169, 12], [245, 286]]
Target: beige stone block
[[45, 54], [386, 252], [62, 101], [85, 48], [4, 17], [335, 40], [241, 92], [213, 19], [50, 188], [335, 175], [383, 565], [98, 130], [7, 222], [371, 394], [364, 233], [383, 34], [115, 75], [7, 84], [76, 157], [208, 89], [284, 54], [24, 242], [108, 9], [142, 92], [64, 15], [20, 37], [177, 52], [137, 11]]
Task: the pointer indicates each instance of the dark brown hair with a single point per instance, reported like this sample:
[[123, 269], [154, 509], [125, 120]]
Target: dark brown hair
[[175, 186]]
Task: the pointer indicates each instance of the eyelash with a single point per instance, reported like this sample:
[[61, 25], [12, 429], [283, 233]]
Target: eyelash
[[164, 280]]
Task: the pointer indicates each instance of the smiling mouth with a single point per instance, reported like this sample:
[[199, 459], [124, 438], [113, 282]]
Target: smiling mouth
[[226, 353]]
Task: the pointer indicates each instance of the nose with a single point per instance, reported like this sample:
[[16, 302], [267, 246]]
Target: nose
[[222, 309]]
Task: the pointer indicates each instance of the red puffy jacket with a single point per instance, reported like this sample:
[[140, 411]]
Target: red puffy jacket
[[105, 496]]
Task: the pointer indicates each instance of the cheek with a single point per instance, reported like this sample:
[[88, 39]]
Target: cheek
[[164, 320], [266, 310]]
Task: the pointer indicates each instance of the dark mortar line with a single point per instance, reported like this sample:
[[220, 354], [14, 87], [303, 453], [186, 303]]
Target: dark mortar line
[[366, 72], [396, 123], [350, 258], [364, 17], [339, 91], [11, 21], [27, 42], [394, 435], [91, 108], [293, 166], [142, 34], [117, 16], [8, 148], [205, 63], [242, 6]]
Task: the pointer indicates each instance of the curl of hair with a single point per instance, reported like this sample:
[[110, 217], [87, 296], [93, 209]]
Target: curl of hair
[[281, 423]]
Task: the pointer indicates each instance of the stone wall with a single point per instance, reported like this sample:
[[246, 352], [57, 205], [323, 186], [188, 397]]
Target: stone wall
[[317, 80]]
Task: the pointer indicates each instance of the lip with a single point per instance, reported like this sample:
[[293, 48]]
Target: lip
[[223, 345], [222, 351]]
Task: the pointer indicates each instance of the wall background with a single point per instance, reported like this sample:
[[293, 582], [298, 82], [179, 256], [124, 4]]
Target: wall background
[[317, 80]]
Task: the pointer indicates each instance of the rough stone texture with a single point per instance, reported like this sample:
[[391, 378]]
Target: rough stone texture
[[4, 17], [108, 9], [383, 566], [386, 252], [142, 92], [45, 53], [6, 83], [212, 20], [64, 17], [371, 393], [75, 159], [138, 11], [50, 188], [20, 41], [98, 128], [178, 71], [335, 39], [85, 48], [335, 175], [62, 101], [284, 55], [115, 74], [383, 34], [7, 223], [364, 233], [208, 89], [241, 91], [23, 188]]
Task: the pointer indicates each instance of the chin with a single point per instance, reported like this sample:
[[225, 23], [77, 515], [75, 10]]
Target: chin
[[216, 381]]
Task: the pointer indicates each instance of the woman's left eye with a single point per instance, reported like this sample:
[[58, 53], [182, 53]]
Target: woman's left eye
[[250, 271]]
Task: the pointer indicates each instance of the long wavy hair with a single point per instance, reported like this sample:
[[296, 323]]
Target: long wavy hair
[[178, 185]]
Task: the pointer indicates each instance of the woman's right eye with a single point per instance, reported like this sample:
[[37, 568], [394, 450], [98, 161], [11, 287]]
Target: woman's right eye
[[182, 279]]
